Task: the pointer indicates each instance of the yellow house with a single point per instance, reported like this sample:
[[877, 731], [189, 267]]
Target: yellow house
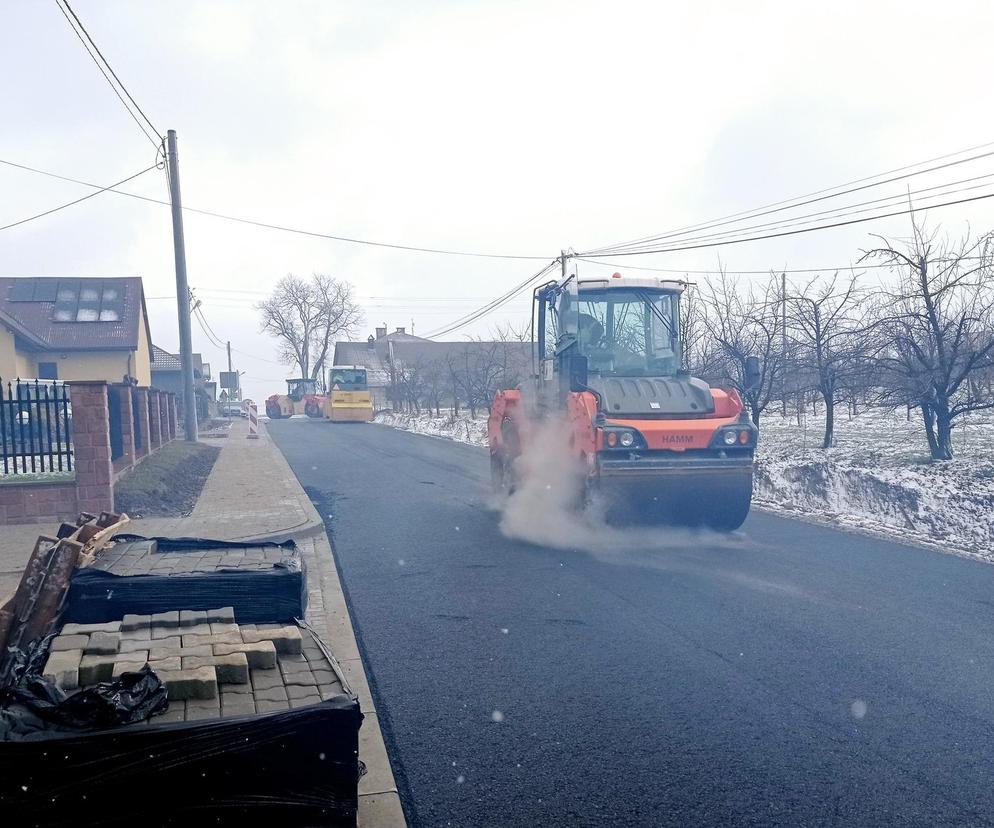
[[74, 329]]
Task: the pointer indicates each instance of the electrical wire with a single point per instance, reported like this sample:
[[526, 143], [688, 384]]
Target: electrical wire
[[76, 201], [843, 212], [789, 204], [786, 232], [87, 46], [109, 67], [494, 304], [283, 228]]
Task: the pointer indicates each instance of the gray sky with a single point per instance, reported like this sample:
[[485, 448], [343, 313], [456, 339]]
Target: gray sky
[[495, 126]]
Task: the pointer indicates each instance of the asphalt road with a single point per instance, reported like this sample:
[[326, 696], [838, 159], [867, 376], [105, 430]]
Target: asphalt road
[[794, 675]]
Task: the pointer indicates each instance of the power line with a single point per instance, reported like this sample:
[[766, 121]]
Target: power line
[[787, 232], [253, 356], [837, 212], [87, 43], [790, 203], [283, 228], [76, 201], [688, 272], [491, 306]]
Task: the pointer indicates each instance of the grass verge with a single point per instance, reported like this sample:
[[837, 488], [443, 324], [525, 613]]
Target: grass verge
[[168, 483]]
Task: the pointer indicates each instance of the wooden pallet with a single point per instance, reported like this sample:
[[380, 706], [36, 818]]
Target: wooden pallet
[[38, 602]]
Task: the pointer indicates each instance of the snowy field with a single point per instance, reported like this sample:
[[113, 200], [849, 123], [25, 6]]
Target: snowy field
[[877, 478]]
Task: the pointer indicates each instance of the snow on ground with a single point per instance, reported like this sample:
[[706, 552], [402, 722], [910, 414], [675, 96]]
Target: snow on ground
[[877, 478]]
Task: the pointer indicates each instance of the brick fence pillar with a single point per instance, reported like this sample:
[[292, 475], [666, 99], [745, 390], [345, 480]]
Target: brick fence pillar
[[164, 416], [173, 419], [91, 446], [154, 419], [127, 459], [142, 447]]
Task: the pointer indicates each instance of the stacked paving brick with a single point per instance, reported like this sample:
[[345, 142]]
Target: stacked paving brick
[[211, 666], [145, 558]]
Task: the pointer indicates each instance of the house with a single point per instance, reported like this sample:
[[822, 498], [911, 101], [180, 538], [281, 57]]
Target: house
[[167, 375], [402, 368], [74, 329]]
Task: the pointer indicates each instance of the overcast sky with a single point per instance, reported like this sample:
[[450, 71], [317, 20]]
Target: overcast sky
[[505, 127]]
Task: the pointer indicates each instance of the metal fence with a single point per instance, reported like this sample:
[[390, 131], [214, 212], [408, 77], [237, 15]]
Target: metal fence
[[35, 427], [138, 430], [114, 393]]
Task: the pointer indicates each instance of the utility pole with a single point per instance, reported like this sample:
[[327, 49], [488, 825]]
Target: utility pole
[[182, 291], [229, 354], [783, 343]]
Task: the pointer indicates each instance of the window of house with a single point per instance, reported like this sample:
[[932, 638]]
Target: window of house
[[48, 370]]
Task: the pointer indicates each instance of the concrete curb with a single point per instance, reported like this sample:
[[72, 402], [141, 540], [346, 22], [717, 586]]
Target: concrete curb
[[379, 800]]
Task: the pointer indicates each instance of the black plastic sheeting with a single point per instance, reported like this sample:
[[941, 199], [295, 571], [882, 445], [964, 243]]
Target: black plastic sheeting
[[277, 594], [131, 698], [295, 768]]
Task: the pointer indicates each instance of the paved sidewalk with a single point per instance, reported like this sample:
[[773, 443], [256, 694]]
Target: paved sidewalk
[[252, 493]]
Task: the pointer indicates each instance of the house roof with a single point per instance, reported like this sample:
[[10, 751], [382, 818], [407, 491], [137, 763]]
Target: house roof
[[74, 314], [162, 360]]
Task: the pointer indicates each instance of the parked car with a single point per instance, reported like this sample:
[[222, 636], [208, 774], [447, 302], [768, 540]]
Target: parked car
[[232, 409]]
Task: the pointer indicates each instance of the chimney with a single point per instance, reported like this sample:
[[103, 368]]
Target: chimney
[[381, 332], [371, 343], [400, 330]]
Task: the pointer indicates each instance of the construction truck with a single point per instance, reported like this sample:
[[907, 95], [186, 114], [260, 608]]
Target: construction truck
[[349, 400], [641, 436], [301, 398]]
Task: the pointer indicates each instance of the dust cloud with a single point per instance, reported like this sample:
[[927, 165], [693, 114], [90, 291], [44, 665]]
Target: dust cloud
[[544, 509]]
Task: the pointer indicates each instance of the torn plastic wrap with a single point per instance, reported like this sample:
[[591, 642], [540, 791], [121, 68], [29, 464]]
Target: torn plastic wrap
[[295, 768], [130, 698], [264, 582]]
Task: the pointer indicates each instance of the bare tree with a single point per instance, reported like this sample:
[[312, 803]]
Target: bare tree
[[306, 316], [938, 326], [744, 324], [830, 341], [701, 355]]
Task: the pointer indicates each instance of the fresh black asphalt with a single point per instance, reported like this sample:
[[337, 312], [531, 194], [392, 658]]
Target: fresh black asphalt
[[794, 675]]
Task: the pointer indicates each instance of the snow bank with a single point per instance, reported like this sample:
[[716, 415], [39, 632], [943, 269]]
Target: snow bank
[[461, 428], [877, 478]]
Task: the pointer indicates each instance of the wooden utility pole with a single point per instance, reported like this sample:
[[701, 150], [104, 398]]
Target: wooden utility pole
[[182, 291]]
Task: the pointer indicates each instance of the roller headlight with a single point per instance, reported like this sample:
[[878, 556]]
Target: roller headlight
[[627, 439], [729, 438]]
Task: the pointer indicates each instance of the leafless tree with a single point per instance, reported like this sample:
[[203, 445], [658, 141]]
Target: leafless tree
[[938, 326], [829, 338], [746, 323], [306, 316], [701, 354]]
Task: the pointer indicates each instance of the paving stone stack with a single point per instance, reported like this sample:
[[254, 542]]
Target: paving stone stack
[[211, 665]]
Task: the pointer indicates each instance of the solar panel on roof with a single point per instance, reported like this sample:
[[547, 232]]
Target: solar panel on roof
[[111, 302], [46, 290], [22, 290], [66, 300]]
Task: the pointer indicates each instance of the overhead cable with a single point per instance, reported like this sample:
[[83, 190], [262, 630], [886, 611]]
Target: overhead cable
[[76, 201], [284, 228], [90, 46], [818, 195], [785, 232]]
